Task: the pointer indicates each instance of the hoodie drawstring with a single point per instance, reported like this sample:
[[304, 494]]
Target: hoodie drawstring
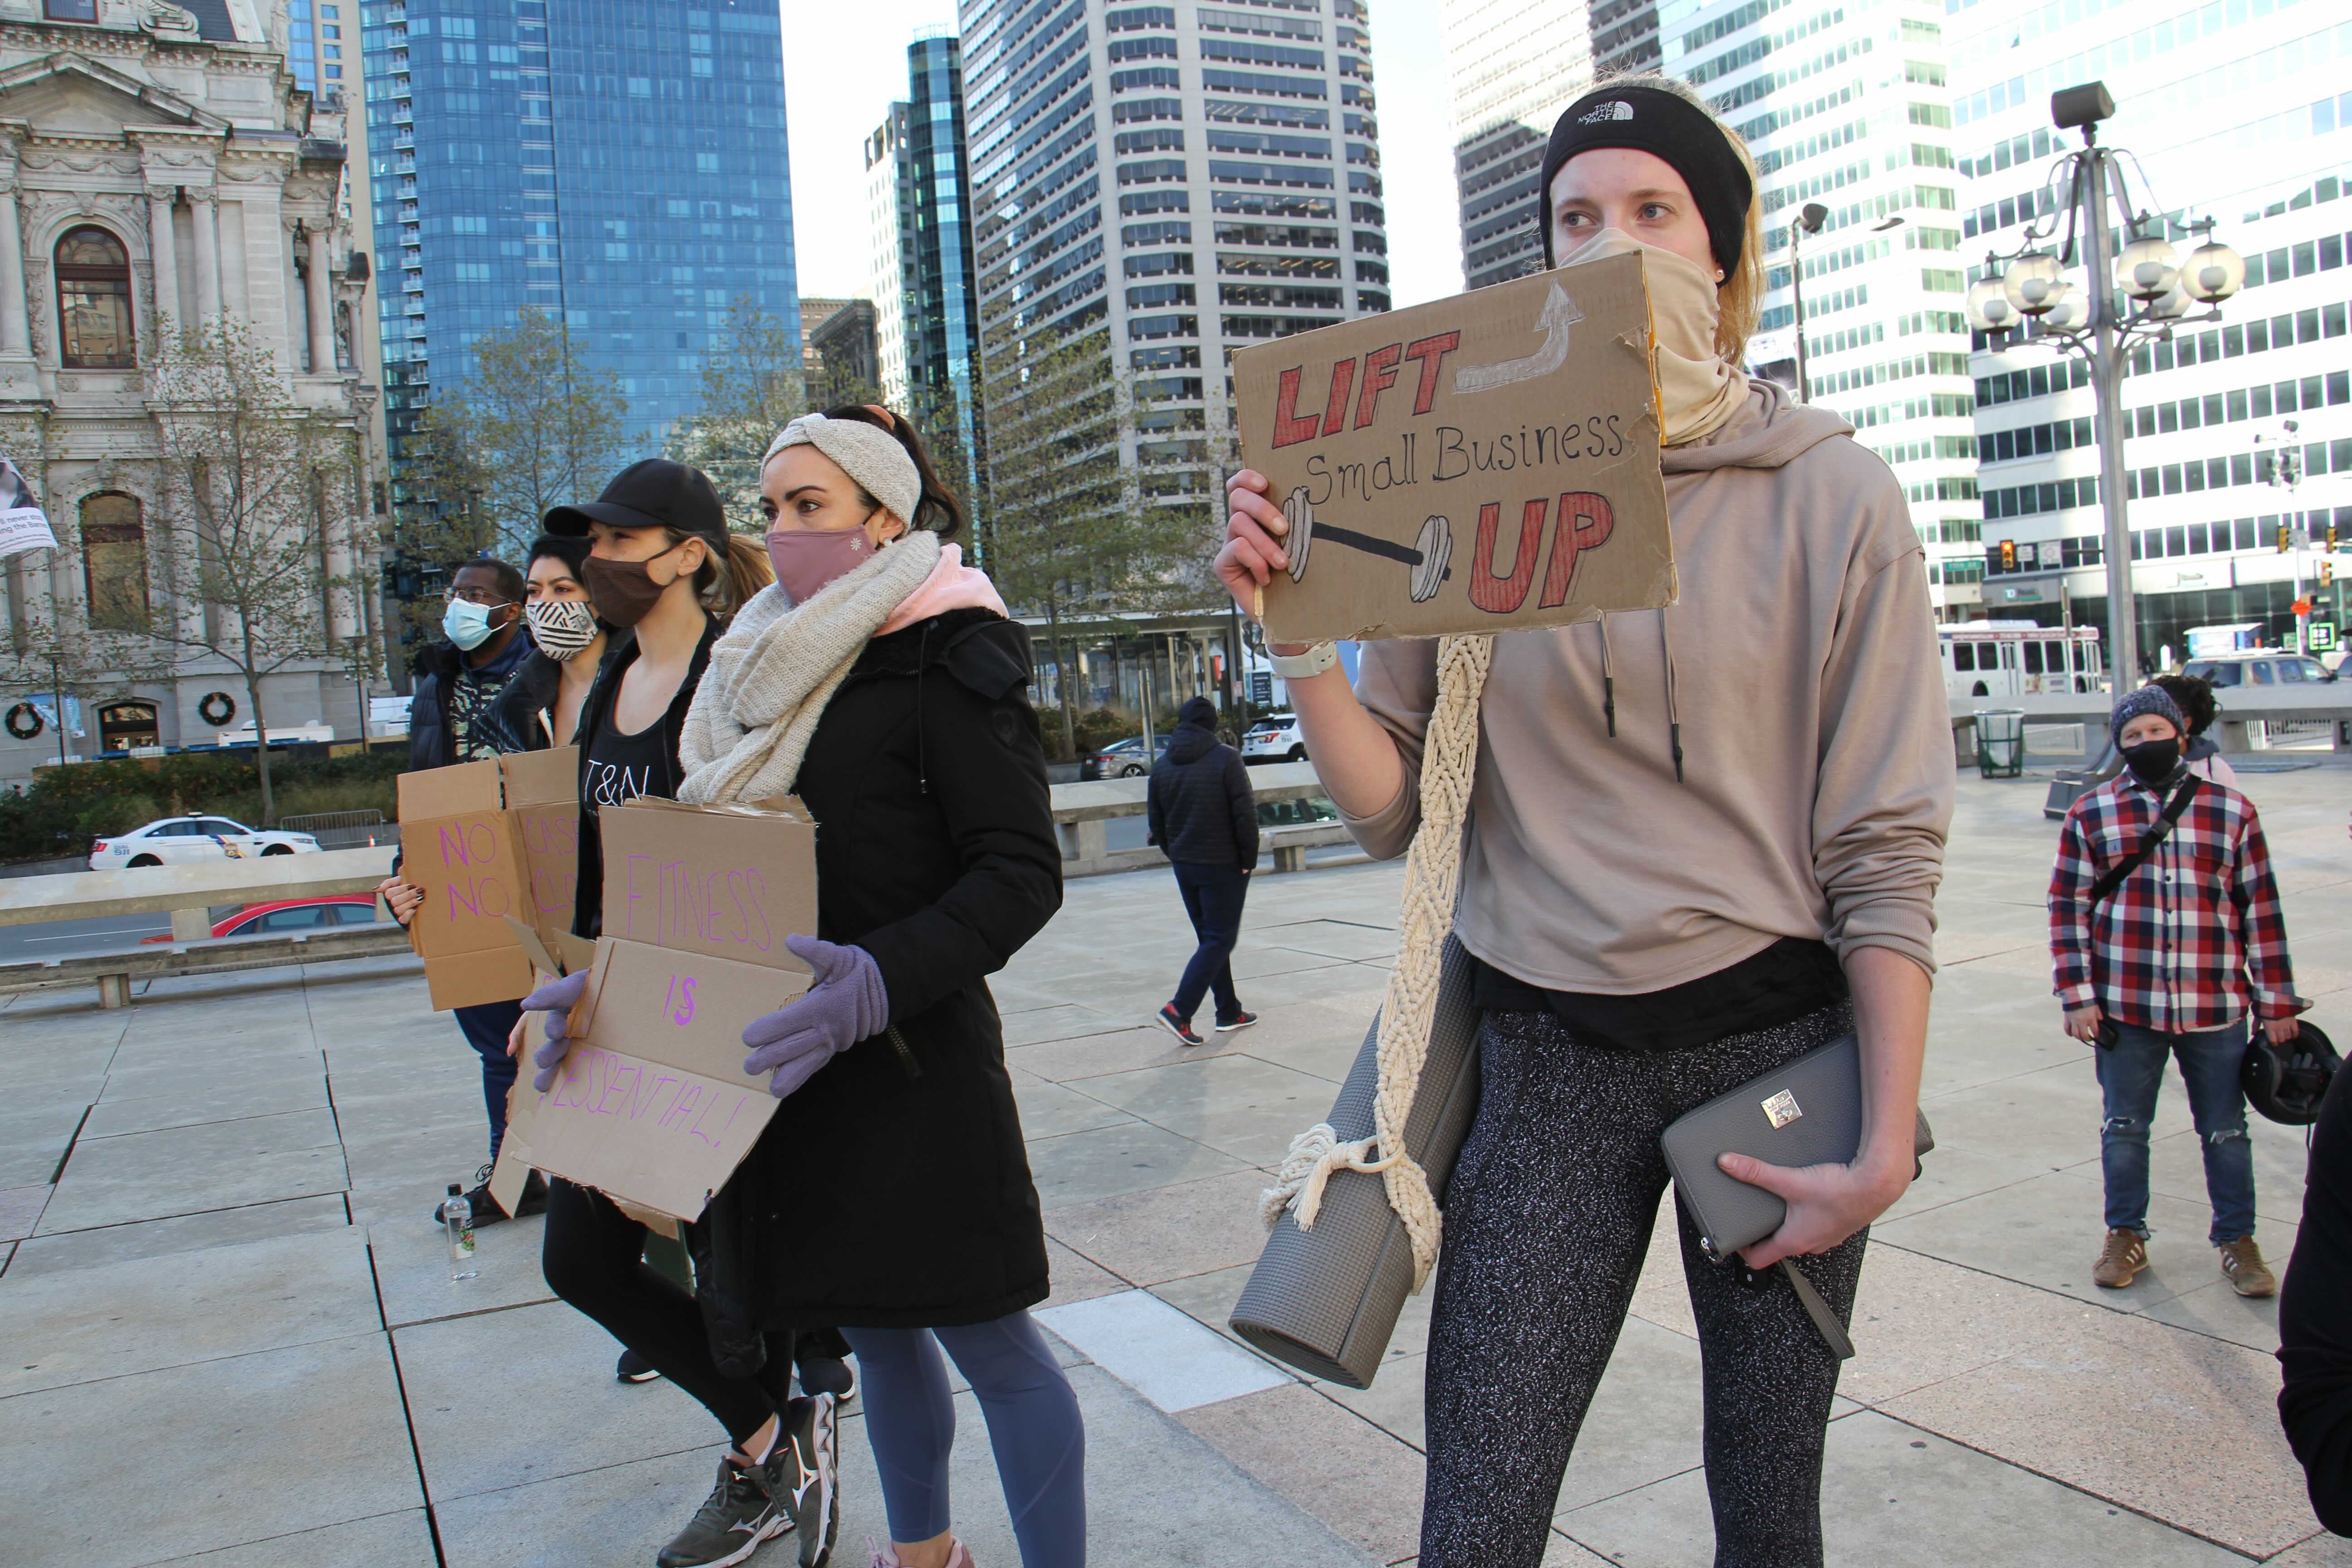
[[1608, 679], [1673, 712]]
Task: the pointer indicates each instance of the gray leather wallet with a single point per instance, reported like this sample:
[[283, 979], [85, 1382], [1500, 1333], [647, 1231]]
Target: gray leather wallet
[[1806, 1113]]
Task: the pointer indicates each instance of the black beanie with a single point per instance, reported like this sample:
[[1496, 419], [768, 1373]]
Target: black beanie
[[1653, 120], [1198, 711]]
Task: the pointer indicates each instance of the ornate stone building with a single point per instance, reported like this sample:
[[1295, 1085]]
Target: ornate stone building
[[159, 163]]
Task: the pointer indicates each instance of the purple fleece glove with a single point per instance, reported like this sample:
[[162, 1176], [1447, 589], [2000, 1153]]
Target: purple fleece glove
[[556, 999], [847, 1004]]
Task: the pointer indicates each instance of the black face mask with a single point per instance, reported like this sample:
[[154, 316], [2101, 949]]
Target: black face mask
[[2152, 761]]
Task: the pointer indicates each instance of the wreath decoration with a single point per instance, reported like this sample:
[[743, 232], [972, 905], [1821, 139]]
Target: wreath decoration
[[25, 721], [216, 708]]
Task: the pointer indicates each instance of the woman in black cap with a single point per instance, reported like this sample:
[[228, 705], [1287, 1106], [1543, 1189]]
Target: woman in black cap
[[663, 570], [1759, 781]]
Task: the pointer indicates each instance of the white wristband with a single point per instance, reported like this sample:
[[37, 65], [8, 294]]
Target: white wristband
[[1305, 666]]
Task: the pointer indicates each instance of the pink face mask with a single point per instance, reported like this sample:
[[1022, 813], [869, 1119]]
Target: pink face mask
[[806, 559]]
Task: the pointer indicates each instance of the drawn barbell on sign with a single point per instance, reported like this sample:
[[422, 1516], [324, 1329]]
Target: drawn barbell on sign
[[1430, 558]]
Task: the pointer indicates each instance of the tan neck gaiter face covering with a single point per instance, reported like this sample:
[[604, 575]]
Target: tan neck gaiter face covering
[[1698, 390]]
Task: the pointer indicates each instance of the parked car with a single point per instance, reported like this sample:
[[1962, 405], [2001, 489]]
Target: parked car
[[2259, 667], [181, 840], [1122, 759], [1277, 738], [286, 916]]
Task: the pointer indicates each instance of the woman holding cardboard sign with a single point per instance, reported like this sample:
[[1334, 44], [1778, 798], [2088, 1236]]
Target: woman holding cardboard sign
[[1703, 842], [881, 682]]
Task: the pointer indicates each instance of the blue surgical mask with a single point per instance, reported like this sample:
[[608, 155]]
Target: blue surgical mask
[[466, 624]]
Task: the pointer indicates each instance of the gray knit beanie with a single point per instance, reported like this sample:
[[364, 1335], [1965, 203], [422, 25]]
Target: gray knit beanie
[[2146, 699]]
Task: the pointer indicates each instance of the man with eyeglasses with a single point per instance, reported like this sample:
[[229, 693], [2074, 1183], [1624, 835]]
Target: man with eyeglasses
[[459, 681]]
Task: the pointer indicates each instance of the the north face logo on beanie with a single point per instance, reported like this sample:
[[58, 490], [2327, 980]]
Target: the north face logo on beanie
[[1615, 109]]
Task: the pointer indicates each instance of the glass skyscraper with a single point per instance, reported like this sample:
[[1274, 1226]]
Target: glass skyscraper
[[940, 308], [618, 164]]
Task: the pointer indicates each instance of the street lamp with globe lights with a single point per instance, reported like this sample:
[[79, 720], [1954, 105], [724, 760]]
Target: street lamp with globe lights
[[1809, 220], [2157, 291]]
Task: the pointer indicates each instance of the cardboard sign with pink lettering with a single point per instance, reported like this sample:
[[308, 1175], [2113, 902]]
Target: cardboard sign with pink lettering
[[487, 841], [653, 1107], [1480, 463]]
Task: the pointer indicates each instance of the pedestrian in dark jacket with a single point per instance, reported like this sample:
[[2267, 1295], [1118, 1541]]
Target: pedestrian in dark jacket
[[2315, 1329], [459, 681], [452, 718], [882, 683], [1205, 819]]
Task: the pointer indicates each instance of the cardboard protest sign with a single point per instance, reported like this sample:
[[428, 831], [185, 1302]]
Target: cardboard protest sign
[[653, 1107], [485, 841], [732, 881], [1480, 463]]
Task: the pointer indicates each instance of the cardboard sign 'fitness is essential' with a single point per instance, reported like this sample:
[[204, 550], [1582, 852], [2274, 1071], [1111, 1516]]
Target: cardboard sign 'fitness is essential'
[[1480, 463]]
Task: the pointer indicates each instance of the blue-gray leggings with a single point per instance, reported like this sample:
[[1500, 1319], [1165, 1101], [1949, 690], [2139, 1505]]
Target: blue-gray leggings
[[1033, 1426]]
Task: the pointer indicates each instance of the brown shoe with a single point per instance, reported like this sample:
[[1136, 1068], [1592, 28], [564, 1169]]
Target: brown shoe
[[2121, 1260], [2243, 1267]]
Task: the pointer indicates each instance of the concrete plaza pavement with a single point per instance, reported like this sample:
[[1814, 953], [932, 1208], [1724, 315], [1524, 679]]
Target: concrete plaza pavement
[[219, 1282]]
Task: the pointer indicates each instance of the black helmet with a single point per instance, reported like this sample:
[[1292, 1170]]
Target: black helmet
[[2288, 1082]]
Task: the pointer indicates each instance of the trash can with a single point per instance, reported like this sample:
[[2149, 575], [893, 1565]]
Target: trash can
[[2001, 743]]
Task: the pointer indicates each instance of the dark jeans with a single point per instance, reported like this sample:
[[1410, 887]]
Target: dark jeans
[[1212, 897], [486, 1029], [2129, 1077], [593, 1256]]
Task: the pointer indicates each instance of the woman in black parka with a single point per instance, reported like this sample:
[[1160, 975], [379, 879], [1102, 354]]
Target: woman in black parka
[[881, 682]]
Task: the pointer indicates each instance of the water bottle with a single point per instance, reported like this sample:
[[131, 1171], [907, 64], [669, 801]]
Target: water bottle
[[457, 1219]]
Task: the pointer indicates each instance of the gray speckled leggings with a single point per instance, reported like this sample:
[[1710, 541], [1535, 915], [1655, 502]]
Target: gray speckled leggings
[[1547, 1221]]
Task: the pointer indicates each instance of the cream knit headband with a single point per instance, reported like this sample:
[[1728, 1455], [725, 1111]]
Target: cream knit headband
[[872, 456]]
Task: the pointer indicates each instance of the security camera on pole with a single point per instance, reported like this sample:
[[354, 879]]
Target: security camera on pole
[[2030, 291]]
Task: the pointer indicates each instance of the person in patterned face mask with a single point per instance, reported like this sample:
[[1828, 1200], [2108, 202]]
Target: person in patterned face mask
[[541, 705]]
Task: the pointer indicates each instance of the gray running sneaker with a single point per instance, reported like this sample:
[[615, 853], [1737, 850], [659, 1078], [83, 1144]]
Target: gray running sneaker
[[803, 1473], [729, 1526]]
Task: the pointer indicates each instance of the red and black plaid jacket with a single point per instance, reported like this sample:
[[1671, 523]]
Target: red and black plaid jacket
[[2194, 937]]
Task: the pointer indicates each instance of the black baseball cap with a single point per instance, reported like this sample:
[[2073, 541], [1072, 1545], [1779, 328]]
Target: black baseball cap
[[653, 493]]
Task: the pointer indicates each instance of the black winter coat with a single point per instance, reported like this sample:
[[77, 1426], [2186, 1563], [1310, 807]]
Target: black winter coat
[[2314, 1330], [1203, 810], [437, 664], [893, 1190]]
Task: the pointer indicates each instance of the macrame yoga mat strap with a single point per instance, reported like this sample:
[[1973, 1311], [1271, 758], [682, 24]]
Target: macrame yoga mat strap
[[1325, 1295]]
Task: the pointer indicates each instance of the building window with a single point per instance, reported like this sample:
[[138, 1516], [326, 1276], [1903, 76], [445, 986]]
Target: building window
[[114, 562], [70, 10], [94, 300]]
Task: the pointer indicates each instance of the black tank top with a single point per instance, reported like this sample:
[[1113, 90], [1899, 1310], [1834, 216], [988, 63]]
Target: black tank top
[[621, 768], [1778, 986]]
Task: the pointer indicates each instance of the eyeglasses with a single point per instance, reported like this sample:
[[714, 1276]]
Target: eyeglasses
[[486, 598]]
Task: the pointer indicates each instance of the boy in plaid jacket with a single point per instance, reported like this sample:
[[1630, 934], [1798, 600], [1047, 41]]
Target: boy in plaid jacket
[[2176, 959]]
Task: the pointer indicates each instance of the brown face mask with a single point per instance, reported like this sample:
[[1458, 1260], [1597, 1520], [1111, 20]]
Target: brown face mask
[[624, 592]]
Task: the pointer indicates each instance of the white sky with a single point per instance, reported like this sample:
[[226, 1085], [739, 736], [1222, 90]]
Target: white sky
[[844, 60]]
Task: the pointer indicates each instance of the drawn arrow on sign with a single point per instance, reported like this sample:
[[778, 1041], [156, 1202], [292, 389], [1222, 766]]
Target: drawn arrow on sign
[[1559, 313]]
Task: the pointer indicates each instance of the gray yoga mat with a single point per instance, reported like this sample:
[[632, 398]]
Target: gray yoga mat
[[1326, 1301]]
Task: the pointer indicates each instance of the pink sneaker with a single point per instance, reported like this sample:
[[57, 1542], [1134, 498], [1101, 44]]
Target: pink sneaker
[[885, 1558]]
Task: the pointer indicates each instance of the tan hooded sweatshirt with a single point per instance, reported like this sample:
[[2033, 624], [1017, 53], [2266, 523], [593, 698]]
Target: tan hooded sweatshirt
[[1800, 670]]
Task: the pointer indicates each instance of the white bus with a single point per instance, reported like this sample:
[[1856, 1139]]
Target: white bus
[[2019, 658]]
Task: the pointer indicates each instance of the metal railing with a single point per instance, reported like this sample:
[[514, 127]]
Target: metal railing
[[343, 829]]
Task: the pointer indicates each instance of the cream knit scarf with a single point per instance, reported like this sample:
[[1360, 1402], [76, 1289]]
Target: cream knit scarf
[[777, 667]]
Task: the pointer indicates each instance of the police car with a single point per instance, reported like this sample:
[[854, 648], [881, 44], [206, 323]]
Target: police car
[[181, 840]]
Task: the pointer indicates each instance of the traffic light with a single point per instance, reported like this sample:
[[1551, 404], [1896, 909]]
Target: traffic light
[[2282, 543], [2008, 555], [2327, 573], [2331, 539]]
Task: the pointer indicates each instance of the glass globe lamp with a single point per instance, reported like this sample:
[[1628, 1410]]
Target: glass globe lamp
[[2032, 281], [2146, 267], [2213, 273], [1989, 307]]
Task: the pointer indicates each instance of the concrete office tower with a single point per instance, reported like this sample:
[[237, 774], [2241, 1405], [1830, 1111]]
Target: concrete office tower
[[2236, 114], [1511, 66], [887, 218], [1846, 106], [1172, 183], [618, 164]]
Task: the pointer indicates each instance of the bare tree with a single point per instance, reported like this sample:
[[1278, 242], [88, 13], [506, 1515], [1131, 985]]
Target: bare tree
[[534, 426], [751, 387], [255, 504]]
